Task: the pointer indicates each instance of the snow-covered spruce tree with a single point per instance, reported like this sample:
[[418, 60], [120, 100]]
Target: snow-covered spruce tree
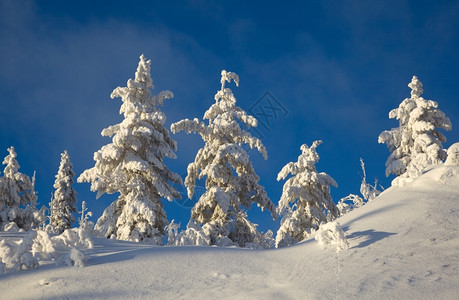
[[17, 195], [416, 143], [63, 203], [309, 191], [231, 182], [133, 164]]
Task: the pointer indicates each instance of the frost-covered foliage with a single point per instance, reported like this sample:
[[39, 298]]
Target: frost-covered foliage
[[368, 192], [331, 234], [231, 182], [63, 203], [309, 191], [133, 164], [38, 246], [15, 257], [17, 195], [84, 218], [349, 203], [416, 143], [453, 155], [194, 235]]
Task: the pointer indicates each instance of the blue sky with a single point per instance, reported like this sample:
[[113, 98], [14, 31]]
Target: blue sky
[[334, 70]]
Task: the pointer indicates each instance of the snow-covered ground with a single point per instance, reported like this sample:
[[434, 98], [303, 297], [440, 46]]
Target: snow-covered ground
[[403, 245]]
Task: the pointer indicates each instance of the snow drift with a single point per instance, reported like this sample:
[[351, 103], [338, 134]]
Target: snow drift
[[404, 244]]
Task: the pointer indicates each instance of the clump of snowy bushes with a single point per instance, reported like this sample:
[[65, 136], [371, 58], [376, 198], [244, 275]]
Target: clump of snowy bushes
[[39, 245]]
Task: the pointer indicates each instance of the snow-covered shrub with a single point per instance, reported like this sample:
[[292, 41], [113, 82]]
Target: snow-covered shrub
[[416, 143], [11, 227], [74, 237], [17, 195], [43, 245], [84, 222], [231, 182], [453, 155], [349, 203], [310, 193], [194, 235], [133, 164], [18, 256], [368, 192], [63, 203], [40, 246], [331, 234], [74, 258], [172, 233]]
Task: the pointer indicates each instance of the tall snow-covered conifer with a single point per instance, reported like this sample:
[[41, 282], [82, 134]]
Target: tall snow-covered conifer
[[63, 204], [231, 182], [133, 164], [416, 143], [17, 194], [310, 193]]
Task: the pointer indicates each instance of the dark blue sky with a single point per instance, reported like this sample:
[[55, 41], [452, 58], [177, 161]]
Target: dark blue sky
[[334, 69]]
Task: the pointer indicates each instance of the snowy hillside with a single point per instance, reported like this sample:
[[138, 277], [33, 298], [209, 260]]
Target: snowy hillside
[[404, 244]]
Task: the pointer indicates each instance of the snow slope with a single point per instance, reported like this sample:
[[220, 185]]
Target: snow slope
[[403, 245]]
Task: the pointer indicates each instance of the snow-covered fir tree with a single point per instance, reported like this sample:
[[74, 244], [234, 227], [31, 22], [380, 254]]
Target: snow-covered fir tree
[[133, 164], [17, 195], [416, 143], [63, 203], [231, 182], [309, 192]]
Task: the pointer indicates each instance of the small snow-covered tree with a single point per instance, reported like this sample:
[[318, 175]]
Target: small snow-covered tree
[[368, 192], [133, 164], [231, 182], [453, 155], [63, 203], [17, 195], [84, 218], [309, 191], [416, 143]]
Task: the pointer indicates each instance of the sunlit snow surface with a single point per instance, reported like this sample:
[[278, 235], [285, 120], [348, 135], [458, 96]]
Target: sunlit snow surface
[[404, 244]]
